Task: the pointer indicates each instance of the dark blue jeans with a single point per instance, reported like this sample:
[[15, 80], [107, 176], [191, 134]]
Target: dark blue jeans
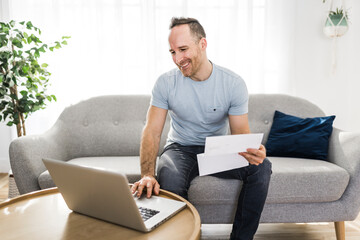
[[178, 166]]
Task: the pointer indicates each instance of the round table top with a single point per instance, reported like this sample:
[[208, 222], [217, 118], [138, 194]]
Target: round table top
[[45, 215]]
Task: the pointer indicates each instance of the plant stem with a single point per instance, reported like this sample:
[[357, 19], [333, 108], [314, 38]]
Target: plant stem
[[13, 90], [23, 123], [20, 126]]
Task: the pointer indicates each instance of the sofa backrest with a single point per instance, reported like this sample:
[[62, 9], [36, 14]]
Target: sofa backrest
[[105, 126], [112, 125], [262, 108]]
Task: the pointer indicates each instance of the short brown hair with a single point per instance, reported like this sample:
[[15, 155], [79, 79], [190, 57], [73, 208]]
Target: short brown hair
[[195, 27]]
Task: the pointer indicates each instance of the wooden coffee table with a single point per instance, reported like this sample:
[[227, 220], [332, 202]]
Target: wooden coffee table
[[44, 215]]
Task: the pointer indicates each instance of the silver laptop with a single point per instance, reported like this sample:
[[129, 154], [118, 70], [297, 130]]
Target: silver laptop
[[106, 195]]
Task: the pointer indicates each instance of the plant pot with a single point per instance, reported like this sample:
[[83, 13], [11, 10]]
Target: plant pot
[[335, 19], [335, 26]]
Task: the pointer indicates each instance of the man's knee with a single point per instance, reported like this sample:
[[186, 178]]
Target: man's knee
[[171, 180], [261, 172], [267, 166], [266, 169]]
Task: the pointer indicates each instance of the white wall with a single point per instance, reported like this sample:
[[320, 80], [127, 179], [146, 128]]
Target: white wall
[[5, 131], [5, 139], [336, 93]]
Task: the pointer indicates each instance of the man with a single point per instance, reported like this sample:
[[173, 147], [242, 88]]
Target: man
[[202, 99]]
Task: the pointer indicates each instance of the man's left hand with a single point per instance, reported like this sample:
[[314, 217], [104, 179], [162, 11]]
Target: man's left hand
[[255, 156]]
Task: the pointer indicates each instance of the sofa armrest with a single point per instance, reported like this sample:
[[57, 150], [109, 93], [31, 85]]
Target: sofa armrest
[[26, 154], [344, 151]]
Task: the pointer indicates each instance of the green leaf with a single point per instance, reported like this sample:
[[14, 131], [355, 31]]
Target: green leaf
[[16, 116], [27, 108], [37, 53], [10, 123], [36, 108], [24, 93], [58, 46], [66, 37], [13, 96], [53, 96], [6, 113], [0, 118], [51, 48], [29, 25], [17, 43], [3, 91], [25, 69], [6, 30], [64, 42], [49, 98], [44, 65], [34, 88]]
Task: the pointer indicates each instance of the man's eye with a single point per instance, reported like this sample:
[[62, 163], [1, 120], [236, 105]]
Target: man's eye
[[183, 49], [172, 53]]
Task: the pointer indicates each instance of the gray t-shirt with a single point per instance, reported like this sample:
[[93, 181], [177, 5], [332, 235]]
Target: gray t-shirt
[[199, 109]]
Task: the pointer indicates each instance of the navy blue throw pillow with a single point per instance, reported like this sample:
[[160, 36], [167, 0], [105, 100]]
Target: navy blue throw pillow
[[292, 136]]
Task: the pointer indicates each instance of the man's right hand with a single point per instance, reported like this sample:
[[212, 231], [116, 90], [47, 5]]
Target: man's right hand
[[150, 183]]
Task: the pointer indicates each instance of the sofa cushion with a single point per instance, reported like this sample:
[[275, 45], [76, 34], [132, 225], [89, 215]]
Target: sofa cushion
[[294, 180], [291, 136], [130, 166], [298, 180]]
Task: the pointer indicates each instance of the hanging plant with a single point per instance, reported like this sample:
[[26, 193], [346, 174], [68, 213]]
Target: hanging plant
[[336, 24], [23, 79]]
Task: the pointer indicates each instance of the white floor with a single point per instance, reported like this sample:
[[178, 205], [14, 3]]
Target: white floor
[[215, 231]]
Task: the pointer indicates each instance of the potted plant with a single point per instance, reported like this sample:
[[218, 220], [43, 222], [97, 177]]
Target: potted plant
[[23, 79], [336, 24], [338, 17]]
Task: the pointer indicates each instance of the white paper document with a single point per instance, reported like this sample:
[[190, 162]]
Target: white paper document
[[221, 152]]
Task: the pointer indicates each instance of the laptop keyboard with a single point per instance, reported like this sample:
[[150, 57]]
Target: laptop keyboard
[[147, 213]]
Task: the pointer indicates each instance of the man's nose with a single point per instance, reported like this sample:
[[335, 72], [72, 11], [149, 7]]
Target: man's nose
[[178, 58]]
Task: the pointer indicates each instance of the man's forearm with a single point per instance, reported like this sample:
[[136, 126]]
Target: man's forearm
[[148, 153]]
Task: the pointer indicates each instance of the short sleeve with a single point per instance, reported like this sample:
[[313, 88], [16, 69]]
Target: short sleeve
[[159, 96], [239, 98]]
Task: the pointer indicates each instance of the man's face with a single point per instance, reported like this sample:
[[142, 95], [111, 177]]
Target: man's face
[[186, 51]]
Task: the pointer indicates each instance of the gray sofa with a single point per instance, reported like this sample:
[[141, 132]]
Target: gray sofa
[[105, 132]]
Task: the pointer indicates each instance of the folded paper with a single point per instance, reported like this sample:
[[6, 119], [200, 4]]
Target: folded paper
[[221, 152]]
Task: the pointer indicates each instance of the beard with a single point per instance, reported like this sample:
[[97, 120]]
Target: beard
[[189, 67]]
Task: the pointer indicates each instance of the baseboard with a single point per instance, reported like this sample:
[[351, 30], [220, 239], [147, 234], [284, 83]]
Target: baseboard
[[4, 165]]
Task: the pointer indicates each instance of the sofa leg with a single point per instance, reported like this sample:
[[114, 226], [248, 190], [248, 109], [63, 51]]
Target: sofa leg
[[340, 230]]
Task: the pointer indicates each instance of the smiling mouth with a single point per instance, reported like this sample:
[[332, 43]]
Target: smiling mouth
[[184, 66]]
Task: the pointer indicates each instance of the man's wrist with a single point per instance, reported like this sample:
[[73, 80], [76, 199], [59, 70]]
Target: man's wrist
[[148, 175]]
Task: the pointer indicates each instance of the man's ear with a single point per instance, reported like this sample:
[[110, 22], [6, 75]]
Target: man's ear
[[203, 43]]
